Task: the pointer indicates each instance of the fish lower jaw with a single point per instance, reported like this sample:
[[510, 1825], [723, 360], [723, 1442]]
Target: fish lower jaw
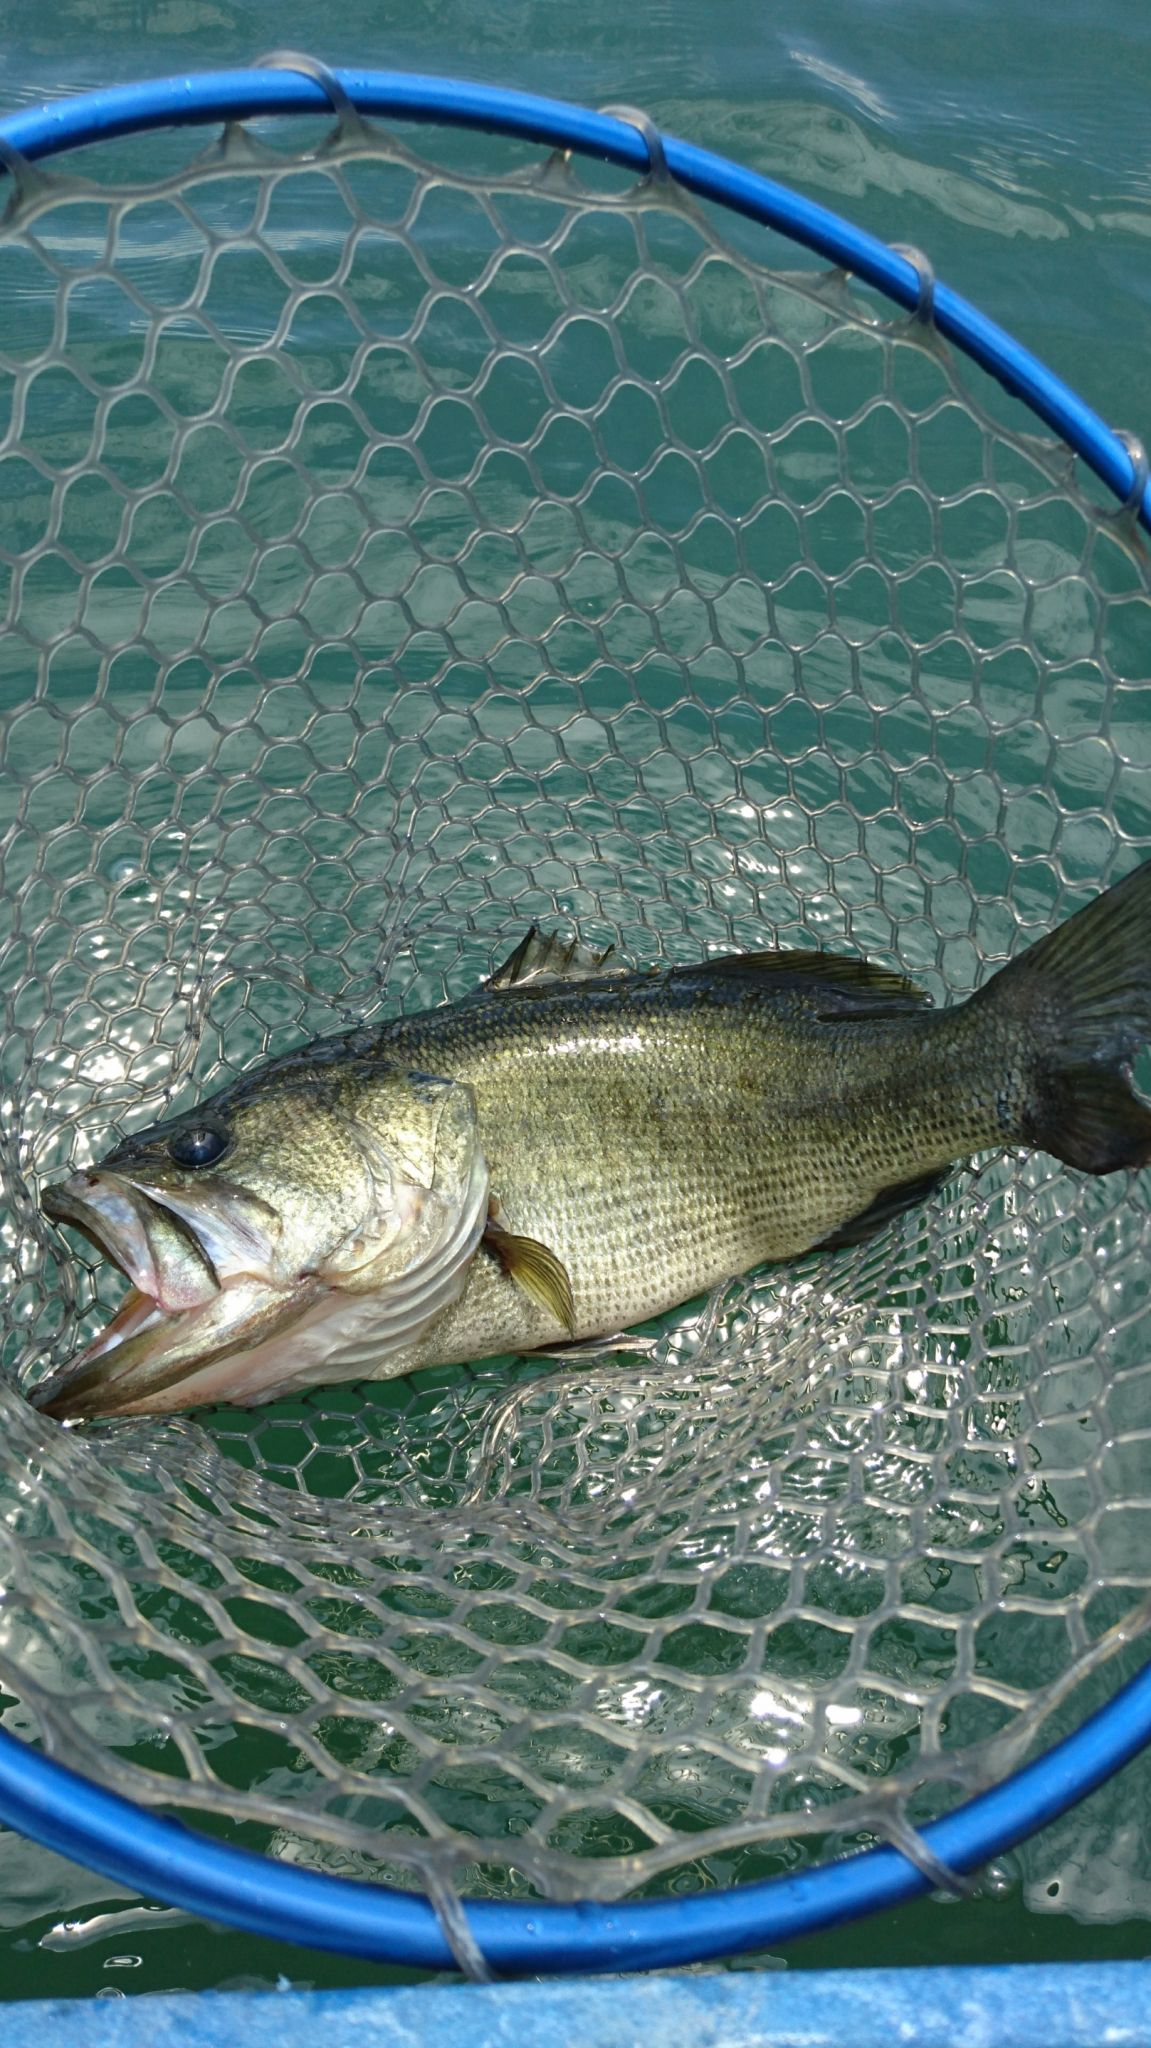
[[88, 1386], [339, 1337], [137, 1312], [334, 1336]]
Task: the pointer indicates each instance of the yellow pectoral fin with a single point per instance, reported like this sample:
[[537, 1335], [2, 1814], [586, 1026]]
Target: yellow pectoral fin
[[537, 1270]]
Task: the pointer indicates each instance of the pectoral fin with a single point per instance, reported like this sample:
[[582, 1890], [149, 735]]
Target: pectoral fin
[[536, 1269]]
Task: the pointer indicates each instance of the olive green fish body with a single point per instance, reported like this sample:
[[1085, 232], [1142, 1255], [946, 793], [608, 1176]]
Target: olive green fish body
[[661, 1134], [576, 1147]]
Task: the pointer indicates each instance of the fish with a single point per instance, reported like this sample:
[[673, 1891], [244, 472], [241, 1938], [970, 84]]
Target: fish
[[578, 1146]]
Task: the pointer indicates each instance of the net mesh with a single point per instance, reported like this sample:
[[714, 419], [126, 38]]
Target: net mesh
[[397, 552]]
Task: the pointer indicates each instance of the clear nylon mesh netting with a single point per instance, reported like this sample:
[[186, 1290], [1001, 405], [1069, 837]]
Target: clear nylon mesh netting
[[397, 552]]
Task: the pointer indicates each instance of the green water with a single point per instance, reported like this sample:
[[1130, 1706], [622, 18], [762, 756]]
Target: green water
[[1007, 143]]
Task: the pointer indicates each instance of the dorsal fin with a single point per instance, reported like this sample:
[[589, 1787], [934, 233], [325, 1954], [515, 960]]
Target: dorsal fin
[[544, 956], [843, 986]]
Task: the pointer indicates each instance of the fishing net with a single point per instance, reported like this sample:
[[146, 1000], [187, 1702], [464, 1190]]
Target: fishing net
[[399, 551]]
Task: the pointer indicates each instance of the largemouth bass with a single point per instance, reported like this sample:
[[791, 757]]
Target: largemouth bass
[[577, 1147]]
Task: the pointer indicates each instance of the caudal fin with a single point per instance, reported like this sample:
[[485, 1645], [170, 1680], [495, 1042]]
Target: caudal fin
[[1083, 995]]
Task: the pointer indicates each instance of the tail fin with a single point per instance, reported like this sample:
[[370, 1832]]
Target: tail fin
[[1083, 996]]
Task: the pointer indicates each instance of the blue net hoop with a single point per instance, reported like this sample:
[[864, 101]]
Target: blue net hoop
[[66, 1812]]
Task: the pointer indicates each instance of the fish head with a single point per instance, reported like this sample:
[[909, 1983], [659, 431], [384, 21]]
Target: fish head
[[249, 1227]]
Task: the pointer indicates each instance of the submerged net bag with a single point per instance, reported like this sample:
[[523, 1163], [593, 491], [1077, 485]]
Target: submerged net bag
[[400, 550]]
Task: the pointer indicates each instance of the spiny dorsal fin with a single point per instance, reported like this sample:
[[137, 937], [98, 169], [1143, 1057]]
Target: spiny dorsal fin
[[845, 987], [536, 1269], [544, 956]]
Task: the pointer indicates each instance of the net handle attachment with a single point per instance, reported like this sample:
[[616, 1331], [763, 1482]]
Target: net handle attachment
[[1126, 516], [27, 181], [923, 313], [349, 122], [658, 172], [657, 176]]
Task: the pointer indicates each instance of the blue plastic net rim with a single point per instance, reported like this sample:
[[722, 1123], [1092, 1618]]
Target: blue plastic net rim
[[64, 1811], [200, 97]]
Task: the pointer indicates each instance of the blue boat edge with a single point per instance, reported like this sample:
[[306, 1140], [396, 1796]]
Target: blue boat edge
[[1066, 2005]]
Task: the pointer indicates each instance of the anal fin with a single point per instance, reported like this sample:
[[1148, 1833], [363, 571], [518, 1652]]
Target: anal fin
[[888, 1203], [1091, 1118], [535, 1268]]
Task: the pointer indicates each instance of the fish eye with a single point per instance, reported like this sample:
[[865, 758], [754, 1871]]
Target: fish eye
[[198, 1145]]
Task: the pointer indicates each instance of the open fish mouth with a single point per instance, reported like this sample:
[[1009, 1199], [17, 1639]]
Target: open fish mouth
[[172, 1282], [211, 1315], [140, 1234]]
